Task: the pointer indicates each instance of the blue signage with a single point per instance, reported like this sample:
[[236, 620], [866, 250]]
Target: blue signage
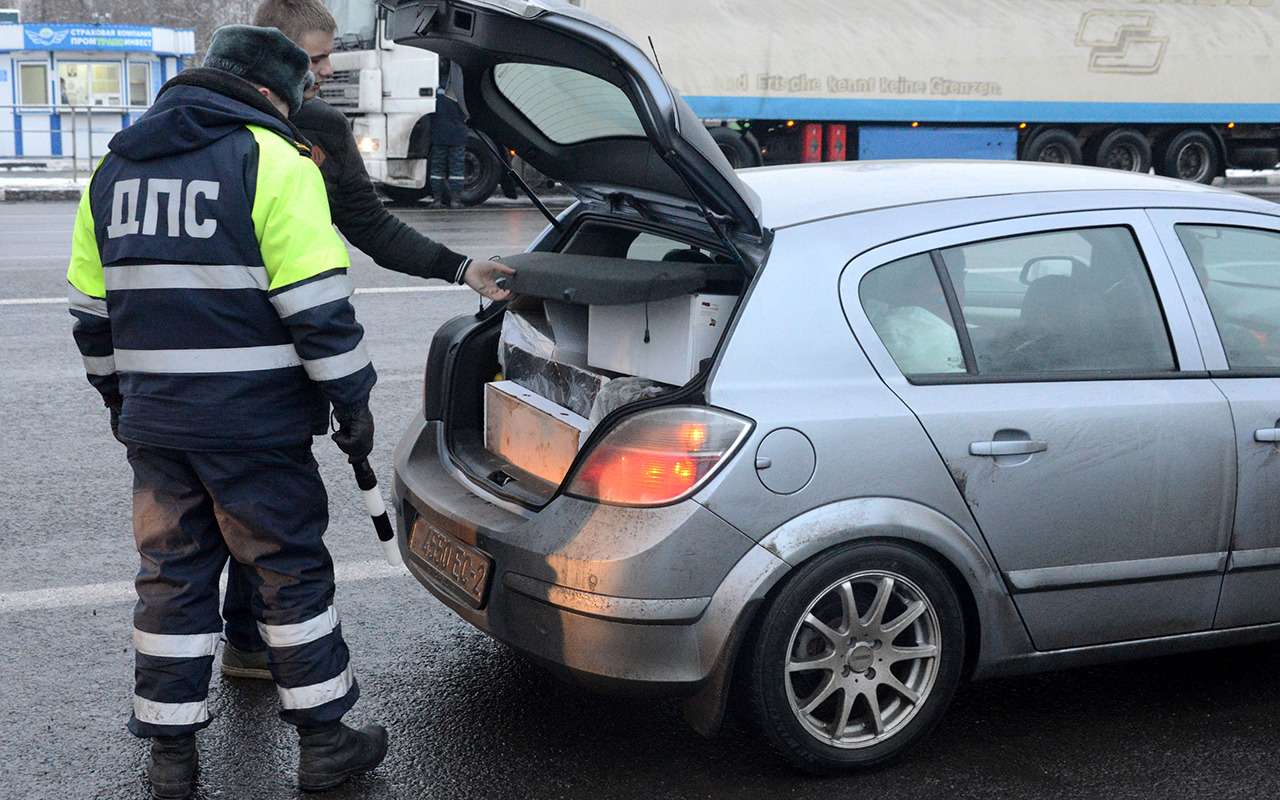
[[87, 37]]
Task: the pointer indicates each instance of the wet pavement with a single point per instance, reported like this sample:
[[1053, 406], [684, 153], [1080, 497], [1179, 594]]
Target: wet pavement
[[469, 718]]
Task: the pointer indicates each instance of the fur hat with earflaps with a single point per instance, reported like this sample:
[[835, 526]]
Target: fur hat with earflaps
[[262, 56]]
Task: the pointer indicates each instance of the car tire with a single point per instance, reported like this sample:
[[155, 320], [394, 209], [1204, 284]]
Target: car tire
[[1191, 155], [482, 175], [737, 149], [403, 195], [1055, 146], [861, 655], [1124, 149]]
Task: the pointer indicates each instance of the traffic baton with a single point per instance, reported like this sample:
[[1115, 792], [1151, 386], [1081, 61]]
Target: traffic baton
[[368, 483]]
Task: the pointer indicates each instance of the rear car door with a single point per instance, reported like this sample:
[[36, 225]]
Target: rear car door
[[1053, 364], [1229, 267]]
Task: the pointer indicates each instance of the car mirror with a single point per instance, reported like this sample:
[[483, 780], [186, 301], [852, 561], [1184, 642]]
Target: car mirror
[[1042, 266]]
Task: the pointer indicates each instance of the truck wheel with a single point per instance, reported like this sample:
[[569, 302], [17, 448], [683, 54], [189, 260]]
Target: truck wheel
[[403, 194], [857, 657], [483, 172], [1124, 149], [736, 147], [1055, 146], [1191, 155]]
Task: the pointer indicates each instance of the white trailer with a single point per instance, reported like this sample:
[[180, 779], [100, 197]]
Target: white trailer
[[1185, 86]]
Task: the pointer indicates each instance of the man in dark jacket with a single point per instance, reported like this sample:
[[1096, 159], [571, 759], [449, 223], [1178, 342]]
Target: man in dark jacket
[[357, 210], [365, 222], [446, 163], [211, 304]]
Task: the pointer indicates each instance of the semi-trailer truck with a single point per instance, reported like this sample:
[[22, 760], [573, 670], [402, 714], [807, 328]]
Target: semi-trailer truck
[[1181, 87]]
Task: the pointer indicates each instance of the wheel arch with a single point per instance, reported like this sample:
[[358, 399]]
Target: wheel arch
[[994, 631]]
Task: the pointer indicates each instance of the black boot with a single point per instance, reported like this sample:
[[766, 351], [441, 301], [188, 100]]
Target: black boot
[[173, 767], [334, 752]]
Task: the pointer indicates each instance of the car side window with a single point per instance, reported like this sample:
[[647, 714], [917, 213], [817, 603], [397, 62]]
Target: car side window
[[1060, 302], [907, 307], [1239, 269], [1034, 306]]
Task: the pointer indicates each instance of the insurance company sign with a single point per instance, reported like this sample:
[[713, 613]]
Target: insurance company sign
[[87, 37]]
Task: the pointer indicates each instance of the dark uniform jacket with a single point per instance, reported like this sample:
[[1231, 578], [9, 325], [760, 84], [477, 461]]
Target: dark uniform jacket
[[357, 210], [448, 123], [209, 287]]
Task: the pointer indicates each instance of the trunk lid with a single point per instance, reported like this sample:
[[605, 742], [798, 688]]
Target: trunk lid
[[579, 101]]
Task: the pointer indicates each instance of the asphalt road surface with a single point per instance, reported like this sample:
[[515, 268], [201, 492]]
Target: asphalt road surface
[[468, 718]]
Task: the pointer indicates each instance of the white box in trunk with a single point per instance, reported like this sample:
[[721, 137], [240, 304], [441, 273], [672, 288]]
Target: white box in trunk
[[530, 431], [682, 332]]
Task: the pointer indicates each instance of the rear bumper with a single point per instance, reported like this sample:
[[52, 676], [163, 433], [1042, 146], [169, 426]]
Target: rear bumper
[[634, 600]]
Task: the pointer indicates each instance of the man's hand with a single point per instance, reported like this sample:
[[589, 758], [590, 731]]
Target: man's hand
[[483, 277], [355, 433]]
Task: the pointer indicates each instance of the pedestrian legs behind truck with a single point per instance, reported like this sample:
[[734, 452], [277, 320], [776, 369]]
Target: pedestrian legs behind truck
[[447, 168]]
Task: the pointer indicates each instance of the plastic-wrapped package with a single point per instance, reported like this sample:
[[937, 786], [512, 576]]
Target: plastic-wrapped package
[[549, 358], [621, 391]]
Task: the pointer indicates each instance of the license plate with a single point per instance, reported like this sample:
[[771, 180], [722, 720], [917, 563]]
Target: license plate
[[457, 565]]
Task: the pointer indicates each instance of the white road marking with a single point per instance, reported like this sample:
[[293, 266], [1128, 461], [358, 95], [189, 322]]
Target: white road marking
[[33, 301], [122, 591], [52, 301]]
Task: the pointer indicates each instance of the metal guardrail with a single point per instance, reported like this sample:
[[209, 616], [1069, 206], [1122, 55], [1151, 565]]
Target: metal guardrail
[[76, 122]]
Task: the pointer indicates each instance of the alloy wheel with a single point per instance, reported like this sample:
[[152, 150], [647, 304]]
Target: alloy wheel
[[863, 659]]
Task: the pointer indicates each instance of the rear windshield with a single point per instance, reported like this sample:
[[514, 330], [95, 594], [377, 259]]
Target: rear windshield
[[568, 106]]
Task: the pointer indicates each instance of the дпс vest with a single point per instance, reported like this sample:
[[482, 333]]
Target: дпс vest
[[209, 288]]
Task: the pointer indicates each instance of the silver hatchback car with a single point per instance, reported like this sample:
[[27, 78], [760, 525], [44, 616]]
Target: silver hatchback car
[[965, 419]]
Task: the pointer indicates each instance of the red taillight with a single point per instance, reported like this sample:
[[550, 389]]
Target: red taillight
[[658, 457]]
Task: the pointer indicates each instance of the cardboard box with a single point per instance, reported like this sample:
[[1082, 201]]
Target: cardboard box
[[683, 331], [530, 431]]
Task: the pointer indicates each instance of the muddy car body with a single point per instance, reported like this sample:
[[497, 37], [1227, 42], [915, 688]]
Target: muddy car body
[[969, 419]]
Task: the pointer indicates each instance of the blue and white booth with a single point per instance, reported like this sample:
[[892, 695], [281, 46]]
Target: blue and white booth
[[57, 79]]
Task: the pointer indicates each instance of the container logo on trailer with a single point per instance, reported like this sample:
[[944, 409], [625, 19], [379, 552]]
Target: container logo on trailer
[[1122, 41]]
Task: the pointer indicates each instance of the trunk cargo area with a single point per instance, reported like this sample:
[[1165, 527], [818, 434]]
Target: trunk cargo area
[[583, 337]]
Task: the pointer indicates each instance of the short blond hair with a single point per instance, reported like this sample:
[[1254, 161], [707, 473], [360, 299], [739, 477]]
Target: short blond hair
[[295, 18]]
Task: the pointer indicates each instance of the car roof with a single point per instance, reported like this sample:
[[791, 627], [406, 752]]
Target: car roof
[[797, 193]]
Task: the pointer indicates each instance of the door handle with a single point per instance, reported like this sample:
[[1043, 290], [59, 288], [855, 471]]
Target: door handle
[[1267, 435], [1015, 447]]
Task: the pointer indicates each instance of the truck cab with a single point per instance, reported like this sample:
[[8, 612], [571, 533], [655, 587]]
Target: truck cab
[[388, 92]]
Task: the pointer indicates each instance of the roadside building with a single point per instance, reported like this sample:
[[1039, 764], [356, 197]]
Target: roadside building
[[69, 87]]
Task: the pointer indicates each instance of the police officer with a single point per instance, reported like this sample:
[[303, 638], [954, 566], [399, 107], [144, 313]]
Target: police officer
[[211, 303], [365, 222]]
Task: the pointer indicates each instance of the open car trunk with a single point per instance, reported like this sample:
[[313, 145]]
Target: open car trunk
[[597, 328], [587, 337]]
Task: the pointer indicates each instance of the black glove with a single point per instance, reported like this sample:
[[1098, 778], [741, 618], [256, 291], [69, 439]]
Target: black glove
[[355, 433], [114, 404]]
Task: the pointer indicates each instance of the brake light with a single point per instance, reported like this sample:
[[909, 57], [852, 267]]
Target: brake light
[[658, 457]]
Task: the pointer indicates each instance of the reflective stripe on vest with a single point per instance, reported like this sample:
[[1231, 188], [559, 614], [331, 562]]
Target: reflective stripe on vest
[[184, 276], [310, 295], [223, 359], [298, 633], [317, 694], [100, 366], [339, 366], [79, 301]]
